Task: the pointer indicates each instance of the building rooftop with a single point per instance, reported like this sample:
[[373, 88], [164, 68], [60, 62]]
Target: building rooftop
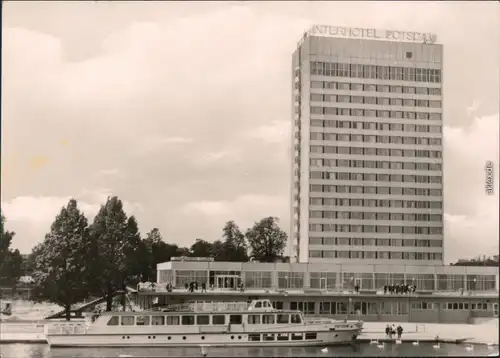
[[205, 264]]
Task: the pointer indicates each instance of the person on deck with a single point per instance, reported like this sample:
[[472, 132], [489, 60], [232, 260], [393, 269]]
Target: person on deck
[[400, 331], [388, 331]]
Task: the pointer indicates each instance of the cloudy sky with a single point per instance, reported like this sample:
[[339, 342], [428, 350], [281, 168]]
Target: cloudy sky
[[183, 110]]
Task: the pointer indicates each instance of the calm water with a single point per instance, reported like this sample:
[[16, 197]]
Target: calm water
[[359, 350]]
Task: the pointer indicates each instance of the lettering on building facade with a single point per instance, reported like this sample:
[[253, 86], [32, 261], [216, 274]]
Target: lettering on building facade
[[361, 33]]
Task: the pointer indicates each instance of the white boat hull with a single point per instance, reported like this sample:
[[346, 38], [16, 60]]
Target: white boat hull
[[324, 338]]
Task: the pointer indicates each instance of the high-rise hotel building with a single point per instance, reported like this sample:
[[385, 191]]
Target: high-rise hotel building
[[367, 163]]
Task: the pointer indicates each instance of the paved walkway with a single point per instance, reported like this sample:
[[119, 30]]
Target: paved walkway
[[486, 333]]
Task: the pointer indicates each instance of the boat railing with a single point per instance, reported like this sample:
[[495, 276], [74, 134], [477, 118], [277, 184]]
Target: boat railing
[[320, 321], [198, 306], [66, 328], [22, 327], [174, 307], [219, 306]]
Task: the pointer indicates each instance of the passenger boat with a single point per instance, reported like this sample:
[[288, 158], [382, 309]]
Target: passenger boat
[[198, 324]]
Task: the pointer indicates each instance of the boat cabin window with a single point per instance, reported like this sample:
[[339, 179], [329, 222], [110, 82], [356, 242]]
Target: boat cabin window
[[296, 336], [258, 304], [268, 319], [203, 320], [311, 335], [128, 320], [265, 304], [283, 318], [296, 319], [173, 320], [278, 305], [282, 336], [218, 319], [254, 337], [268, 337], [158, 320], [142, 321], [114, 321], [253, 319], [187, 320], [235, 319]]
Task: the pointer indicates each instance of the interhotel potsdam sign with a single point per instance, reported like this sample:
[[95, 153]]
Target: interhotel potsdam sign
[[360, 33]]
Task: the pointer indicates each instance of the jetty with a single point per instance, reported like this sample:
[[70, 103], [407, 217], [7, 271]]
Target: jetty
[[485, 333]]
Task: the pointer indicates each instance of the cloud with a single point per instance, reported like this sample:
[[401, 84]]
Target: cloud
[[113, 172], [208, 208], [245, 210], [275, 132], [156, 143], [471, 219]]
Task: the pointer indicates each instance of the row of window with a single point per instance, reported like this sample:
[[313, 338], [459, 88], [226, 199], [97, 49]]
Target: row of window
[[408, 204], [393, 178], [384, 190], [381, 101], [407, 153], [281, 318], [361, 308], [373, 126], [360, 215], [385, 229], [346, 241], [372, 255], [372, 308], [465, 306], [256, 337], [203, 320], [396, 73], [377, 164], [340, 279], [371, 87], [357, 112]]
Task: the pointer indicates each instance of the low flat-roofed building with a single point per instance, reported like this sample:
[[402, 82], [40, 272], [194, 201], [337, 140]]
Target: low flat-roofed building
[[444, 294], [326, 276]]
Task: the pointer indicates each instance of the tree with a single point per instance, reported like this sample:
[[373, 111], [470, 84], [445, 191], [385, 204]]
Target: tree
[[61, 273], [133, 250], [157, 251], [28, 265], [234, 247], [10, 260], [478, 261], [201, 248], [113, 237], [184, 251], [218, 251], [267, 241]]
